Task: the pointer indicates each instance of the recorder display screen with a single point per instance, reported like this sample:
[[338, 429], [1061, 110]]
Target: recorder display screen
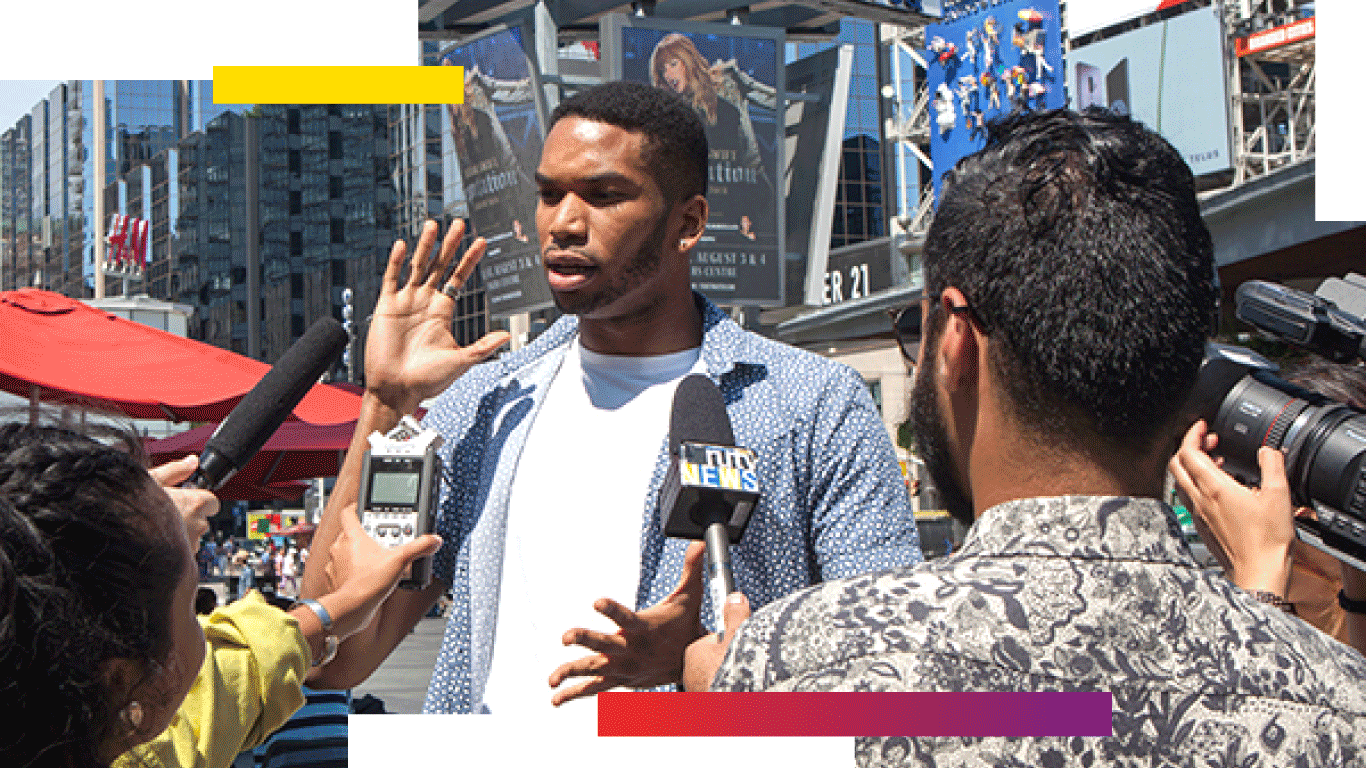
[[389, 488]]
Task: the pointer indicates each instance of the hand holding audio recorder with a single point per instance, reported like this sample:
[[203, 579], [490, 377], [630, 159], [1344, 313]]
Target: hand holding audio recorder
[[398, 492]]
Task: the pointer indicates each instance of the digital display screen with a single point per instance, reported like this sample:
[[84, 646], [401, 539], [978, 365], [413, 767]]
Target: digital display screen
[[387, 488]]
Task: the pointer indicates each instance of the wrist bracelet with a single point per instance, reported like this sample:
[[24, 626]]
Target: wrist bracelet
[[1273, 599], [323, 616], [1349, 605], [330, 641]]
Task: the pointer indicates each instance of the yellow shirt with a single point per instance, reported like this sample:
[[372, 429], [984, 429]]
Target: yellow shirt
[[249, 686]]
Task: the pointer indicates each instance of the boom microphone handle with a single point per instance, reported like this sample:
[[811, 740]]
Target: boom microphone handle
[[263, 409]]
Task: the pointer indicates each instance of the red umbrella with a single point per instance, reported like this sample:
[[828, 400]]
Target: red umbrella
[[78, 353], [296, 451], [235, 490]]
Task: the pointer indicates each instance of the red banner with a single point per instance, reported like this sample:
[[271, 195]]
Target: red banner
[[1275, 37]]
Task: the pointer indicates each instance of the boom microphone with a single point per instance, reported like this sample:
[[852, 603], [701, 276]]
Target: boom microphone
[[262, 410], [712, 485]]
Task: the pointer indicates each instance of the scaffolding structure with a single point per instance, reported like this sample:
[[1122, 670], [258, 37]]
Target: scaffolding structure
[[1272, 91]]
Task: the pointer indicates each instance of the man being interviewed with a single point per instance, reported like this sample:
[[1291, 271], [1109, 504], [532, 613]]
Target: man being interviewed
[[555, 453], [1069, 292]]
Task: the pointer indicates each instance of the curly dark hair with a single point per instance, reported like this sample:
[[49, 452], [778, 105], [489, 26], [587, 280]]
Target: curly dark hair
[[674, 136], [1078, 242], [87, 574]]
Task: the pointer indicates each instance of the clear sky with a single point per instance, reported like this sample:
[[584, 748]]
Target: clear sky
[[17, 98]]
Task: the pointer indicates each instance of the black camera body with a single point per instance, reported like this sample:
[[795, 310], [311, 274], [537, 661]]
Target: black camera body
[[1324, 441]]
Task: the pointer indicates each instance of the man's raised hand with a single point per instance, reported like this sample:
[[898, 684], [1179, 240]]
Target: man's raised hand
[[410, 353]]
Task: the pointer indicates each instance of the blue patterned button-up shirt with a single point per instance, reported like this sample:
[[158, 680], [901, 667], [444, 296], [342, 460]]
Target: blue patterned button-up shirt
[[833, 503]]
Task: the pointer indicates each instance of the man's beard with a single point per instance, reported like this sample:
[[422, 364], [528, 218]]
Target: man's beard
[[932, 443], [641, 267]]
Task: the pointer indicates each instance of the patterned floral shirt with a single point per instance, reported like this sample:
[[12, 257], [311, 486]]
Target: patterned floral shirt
[[1072, 594], [833, 503]]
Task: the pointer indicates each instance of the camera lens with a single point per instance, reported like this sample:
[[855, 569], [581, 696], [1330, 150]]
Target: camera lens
[[1324, 442], [1256, 413], [1336, 471]]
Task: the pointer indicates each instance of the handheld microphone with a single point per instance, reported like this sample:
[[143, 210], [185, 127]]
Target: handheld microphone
[[263, 409], [712, 485]]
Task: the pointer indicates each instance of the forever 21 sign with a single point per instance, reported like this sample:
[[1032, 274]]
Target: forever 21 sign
[[856, 271]]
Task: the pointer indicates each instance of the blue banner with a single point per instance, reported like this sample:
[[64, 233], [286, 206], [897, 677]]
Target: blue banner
[[984, 65]]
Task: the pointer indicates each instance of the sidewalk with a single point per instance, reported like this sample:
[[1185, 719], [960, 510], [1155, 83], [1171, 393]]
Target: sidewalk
[[401, 681]]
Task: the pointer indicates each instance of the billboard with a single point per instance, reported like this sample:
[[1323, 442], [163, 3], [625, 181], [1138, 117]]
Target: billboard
[[263, 524], [819, 88], [1170, 76], [495, 139], [734, 77], [985, 64], [1089, 15]]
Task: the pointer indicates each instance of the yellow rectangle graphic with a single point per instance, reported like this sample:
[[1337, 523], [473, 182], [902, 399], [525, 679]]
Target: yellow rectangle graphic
[[338, 85]]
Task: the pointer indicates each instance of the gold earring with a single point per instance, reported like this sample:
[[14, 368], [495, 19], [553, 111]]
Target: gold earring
[[132, 716]]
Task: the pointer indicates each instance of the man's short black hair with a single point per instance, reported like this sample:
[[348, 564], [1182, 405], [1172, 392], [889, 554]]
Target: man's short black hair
[[1078, 242], [674, 136]]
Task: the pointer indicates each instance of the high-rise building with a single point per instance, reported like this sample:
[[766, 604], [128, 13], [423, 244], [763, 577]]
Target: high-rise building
[[262, 219], [50, 256], [14, 200], [48, 170]]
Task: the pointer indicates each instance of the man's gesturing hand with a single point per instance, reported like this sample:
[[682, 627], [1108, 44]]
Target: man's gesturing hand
[[410, 353], [647, 650]]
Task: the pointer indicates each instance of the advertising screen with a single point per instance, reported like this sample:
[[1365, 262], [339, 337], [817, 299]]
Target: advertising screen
[[1089, 15], [495, 137], [1170, 76], [733, 77]]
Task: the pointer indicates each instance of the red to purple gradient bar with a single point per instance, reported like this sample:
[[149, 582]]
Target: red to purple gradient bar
[[628, 713]]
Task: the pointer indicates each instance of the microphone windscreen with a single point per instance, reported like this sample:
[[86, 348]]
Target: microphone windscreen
[[699, 414], [263, 409]]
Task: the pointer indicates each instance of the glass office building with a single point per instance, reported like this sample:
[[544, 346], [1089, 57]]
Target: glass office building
[[47, 170], [14, 201], [261, 220], [45, 240], [860, 208]]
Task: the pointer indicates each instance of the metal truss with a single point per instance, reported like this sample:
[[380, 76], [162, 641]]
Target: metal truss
[[1272, 94], [908, 129]]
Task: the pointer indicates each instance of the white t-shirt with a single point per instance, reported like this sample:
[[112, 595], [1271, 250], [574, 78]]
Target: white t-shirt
[[574, 516]]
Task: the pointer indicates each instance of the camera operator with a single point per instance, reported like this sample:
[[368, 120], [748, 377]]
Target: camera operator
[[1251, 531], [1069, 295]]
